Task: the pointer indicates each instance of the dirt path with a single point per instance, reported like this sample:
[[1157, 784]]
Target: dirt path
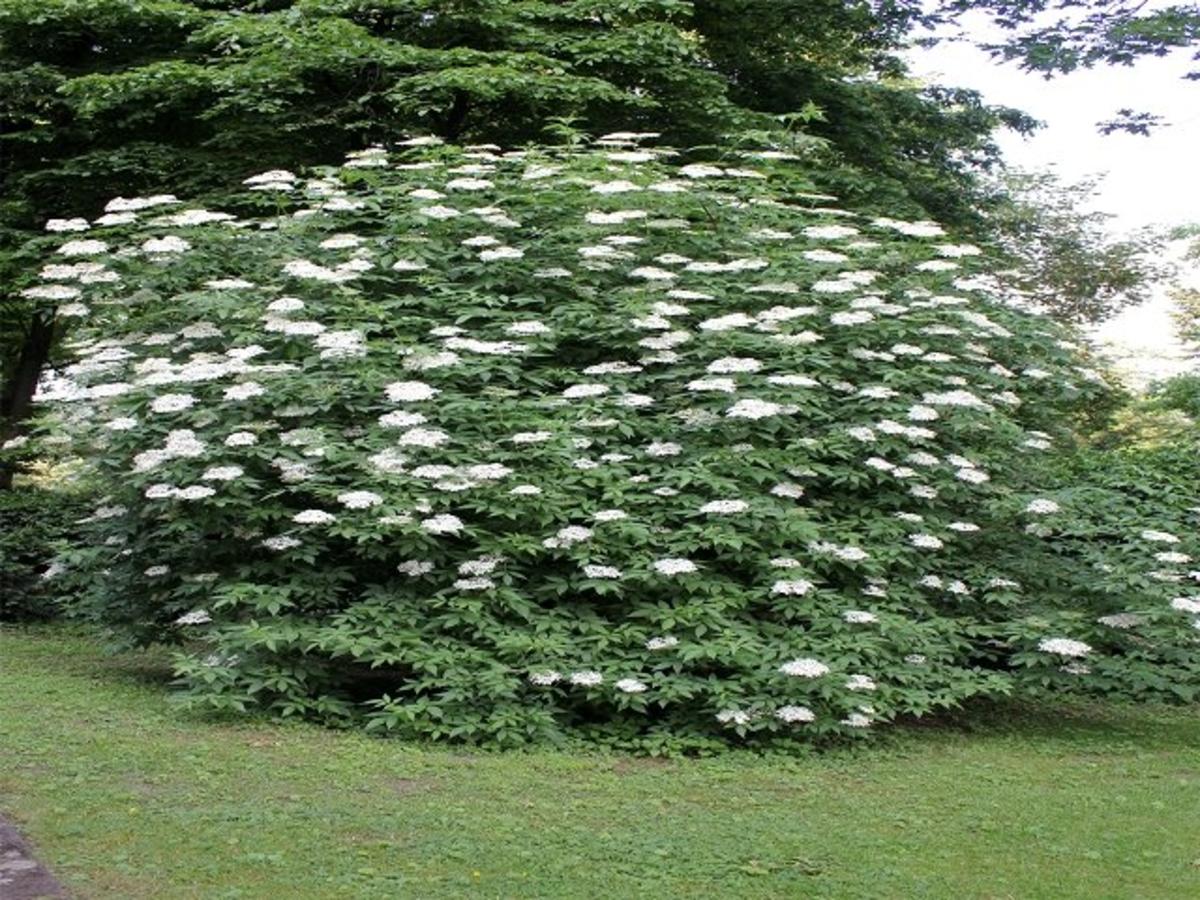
[[21, 876]]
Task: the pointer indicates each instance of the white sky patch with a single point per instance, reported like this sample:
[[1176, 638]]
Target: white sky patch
[[1141, 340]]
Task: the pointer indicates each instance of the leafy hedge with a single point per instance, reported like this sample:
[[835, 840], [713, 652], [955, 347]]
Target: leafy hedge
[[1124, 502], [510, 447]]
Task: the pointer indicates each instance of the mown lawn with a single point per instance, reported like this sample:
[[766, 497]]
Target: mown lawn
[[124, 797]]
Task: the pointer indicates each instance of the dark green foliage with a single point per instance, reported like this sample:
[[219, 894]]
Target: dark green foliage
[[34, 523], [106, 96], [1115, 495], [922, 145]]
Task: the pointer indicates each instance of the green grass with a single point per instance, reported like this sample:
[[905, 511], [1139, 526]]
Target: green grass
[[125, 797]]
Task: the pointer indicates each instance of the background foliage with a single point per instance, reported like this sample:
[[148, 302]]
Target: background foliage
[[35, 525]]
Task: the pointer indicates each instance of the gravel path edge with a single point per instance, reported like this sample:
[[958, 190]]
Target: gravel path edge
[[21, 876]]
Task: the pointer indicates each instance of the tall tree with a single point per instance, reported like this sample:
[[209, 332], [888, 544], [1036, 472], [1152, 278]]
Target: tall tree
[[929, 143], [1055, 37]]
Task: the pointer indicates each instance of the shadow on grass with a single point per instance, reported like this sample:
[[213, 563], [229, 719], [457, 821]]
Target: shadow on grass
[[90, 654], [1088, 726]]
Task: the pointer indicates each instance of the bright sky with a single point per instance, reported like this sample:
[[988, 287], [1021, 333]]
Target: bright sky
[[1148, 180]]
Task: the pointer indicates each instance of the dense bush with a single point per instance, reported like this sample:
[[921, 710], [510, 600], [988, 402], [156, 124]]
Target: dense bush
[[1179, 393], [35, 524], [1121, 501], [512, 446]]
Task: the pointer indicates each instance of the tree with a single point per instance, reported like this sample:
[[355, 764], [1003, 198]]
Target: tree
[[1186, 316], [1063, 258], [1055, 37], [894, 144], [1186, 297]]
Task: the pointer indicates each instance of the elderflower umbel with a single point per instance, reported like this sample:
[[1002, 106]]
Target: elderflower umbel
[[442, 524], [1121, 620], [1162, 536], [579, 391], [734, 717], [359, 499], [423, 437], [241, 438], [410, 391], [281, 542], [601, 572], [1064, 647], [567, 537], [753, 409], [1172, 557], [194, 492], [169, 403], [671, 567], [859, 617], [222, 473], [244, 391], [925, 541], [794, 588], [804, 668], [415, 568], [313, 517], [662, 643], [860, 683], [793, 714]]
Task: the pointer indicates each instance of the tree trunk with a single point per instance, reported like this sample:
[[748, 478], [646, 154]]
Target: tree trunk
[[17, 398], [456, 118]]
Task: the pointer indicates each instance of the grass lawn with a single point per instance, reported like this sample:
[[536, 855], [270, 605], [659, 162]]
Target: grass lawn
[[124, 797]]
